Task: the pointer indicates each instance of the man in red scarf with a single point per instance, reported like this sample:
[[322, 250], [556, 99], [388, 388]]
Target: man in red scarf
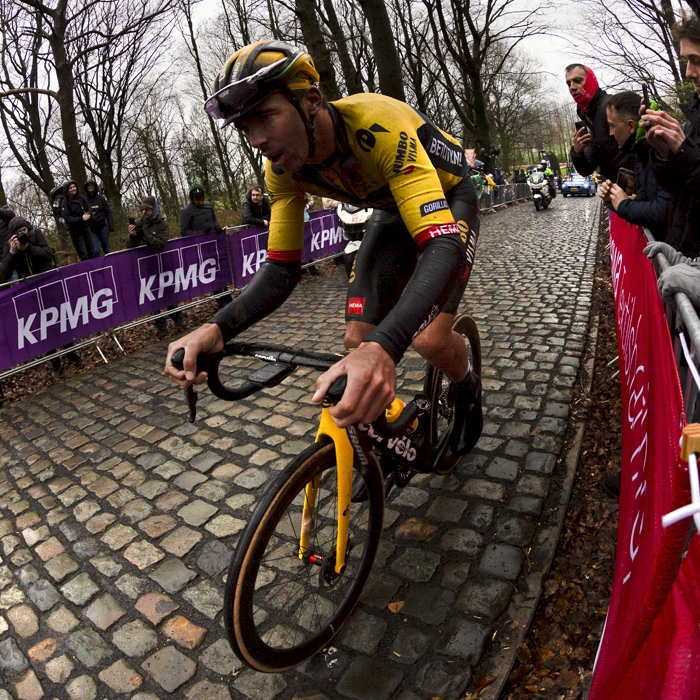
[[594, 147]]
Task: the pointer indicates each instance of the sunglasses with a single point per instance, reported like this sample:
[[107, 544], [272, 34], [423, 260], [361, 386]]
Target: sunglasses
[[235, 96]]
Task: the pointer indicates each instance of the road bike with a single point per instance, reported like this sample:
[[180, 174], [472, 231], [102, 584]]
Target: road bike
[[305, 555]]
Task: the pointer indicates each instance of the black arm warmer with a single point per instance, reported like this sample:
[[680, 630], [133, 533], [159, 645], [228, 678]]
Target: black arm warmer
[[439, 269], [270, 286]]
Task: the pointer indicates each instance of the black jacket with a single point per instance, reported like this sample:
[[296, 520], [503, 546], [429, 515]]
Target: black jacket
[[153, 232], [6, 214], [603, 151], [652, 205], [256, 214], [198, 219], [38, 257], [680, 175], [73, 210], [99, 209]]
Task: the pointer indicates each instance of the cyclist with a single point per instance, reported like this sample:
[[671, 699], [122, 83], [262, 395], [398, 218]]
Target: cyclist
[[418, 248]]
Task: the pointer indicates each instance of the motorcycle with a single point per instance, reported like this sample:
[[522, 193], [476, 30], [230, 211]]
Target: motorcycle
[[541, 195], [353, 220]]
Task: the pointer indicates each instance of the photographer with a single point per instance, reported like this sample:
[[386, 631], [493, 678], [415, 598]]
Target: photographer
[[647, 205], [593, 147], [76, 215], [26, 252], [676, 156]]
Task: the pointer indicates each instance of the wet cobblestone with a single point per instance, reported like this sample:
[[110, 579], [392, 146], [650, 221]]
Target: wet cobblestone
[[118, 518]]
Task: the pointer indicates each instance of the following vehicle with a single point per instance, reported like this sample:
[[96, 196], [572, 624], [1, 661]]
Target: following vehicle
[[576, 184], [353, 221], [540, 190]]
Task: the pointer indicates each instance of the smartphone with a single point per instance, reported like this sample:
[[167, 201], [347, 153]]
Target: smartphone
[[645, 92], [625, 179], [581, 125], [132, 221]]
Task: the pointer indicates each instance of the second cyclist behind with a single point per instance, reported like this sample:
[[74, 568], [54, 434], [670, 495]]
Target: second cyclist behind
[[418, 250]]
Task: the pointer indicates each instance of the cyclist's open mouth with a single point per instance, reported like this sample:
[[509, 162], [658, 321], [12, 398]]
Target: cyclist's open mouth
[[274, 157]]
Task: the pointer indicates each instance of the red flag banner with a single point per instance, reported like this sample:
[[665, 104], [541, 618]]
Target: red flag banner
[[654, 482]]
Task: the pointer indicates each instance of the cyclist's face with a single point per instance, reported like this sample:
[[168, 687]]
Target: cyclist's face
[[275, 128]]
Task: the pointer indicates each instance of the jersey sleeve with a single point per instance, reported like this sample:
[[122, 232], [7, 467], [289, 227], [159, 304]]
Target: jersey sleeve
[[287, 201], [413, 178]]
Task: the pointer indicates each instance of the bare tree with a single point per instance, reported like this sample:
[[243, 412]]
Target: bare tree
[[633, 39], [474, 28]]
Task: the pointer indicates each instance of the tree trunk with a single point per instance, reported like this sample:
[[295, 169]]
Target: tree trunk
[[218, 146], [66, 102], [384, 48], [351, 75], [313, 38]]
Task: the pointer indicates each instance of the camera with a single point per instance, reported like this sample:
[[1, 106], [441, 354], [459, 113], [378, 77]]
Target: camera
[[23, 239]]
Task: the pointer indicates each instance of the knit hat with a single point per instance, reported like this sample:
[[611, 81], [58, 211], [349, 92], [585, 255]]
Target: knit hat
[[17, 223], [149, 202]]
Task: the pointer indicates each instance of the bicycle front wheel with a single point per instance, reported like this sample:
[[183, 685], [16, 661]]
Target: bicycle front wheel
[[279, 609], [439, 389]]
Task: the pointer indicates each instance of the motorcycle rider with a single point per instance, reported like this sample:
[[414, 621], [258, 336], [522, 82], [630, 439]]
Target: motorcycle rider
[[549, 174]]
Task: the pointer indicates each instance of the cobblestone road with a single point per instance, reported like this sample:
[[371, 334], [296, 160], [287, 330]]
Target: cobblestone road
[[117, 517]]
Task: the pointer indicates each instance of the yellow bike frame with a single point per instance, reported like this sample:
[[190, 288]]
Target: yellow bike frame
[[344, 456]]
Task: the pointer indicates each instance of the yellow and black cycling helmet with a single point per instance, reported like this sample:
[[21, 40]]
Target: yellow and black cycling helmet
[[254, 72]]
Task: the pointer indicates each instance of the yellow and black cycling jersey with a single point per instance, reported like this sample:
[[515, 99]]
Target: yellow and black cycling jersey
[[389, 156]]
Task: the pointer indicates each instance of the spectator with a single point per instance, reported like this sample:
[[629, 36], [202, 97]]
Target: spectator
[[596, 149], [5, 215], [200, 217], [498, 177], [256, 208], [676, 155], [101, 221], [649, 205], [76, 216], [682, 276], [25, 252], [152, 229]]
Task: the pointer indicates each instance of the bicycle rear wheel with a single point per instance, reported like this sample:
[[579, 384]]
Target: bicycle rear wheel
[[279, 609], [438, 388]]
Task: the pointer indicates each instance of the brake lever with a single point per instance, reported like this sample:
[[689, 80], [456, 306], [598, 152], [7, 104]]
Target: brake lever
[[205, 363]]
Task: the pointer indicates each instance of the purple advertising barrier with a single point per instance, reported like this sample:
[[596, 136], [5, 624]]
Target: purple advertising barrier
[[73, 302], [323, 235]]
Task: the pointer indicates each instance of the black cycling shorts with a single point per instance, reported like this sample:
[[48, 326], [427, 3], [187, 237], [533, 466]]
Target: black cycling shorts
[[388, 256]]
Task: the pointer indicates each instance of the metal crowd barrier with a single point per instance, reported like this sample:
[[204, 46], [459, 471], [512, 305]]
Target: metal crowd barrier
[[503, 195], [683, 319]]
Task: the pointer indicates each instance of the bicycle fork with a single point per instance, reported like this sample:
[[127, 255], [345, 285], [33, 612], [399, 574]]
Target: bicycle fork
[[348, 442]]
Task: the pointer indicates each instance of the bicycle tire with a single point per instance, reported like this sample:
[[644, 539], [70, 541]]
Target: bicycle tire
[[437, 388], [277, 614]]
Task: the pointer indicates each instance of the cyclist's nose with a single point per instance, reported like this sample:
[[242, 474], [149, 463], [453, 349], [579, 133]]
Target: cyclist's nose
[[257, 136]]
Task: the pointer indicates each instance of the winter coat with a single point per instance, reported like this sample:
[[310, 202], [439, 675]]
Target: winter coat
[[603, 150], [198, 219], [99, 209], [256, 214], [680, 176], [153, 232], [5, 215], [73, 209], [651, 207], [38, 257]]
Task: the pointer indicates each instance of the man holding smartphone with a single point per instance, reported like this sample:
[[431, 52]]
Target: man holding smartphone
[[636, 196], [593, 147], [676, 156]]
